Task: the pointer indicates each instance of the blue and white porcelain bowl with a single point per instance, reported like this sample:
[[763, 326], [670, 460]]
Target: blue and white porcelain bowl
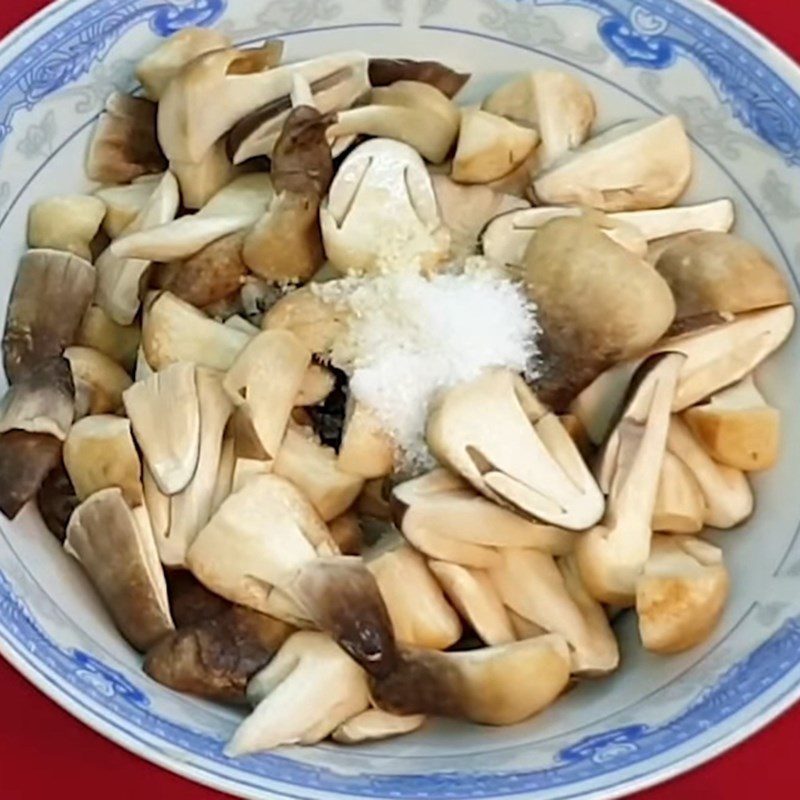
[[657, 716]]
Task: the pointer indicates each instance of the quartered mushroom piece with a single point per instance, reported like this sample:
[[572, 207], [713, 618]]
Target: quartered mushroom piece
[[120, 557], [680, 502], [376, 725], [99, 381], [496, 434], [66, 222], [124, 202], [682, 593], [119, 342], [381, 212], [387, 71]]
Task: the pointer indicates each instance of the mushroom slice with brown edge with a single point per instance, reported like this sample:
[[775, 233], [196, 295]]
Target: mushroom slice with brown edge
[[490, 147], [310, 688], [682, 594], [99, 453], [26, 459], [590, 293], [123, 203], [412, 112], [637, 165], [286, 242], [234, 208], [494, 432], [611, 556], [216, 657], [680, 504], [175, 331], [387, 71], [556, 103], [471, 591], [157, 504], [258, 538], [56, 500], [119, 280], [119, 342], [191, 508], [66, 222], [159, 67], [420, 614], [381, 212], [494, 686], [335, 82], [46, 280], [655, 224], [530, 583], [164, 411], [264, 380], [99, 381], [738, 428], [367, 449], [315, 470], [728, 496], [125, 145], [122, 563], [375, 725]]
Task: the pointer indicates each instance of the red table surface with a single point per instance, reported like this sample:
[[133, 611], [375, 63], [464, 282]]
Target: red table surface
[[44, 752]]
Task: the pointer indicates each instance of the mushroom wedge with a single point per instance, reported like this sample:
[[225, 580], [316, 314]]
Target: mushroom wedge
[[611, 557], [99, 453], [265, 380], [376, 725], [66, 222], [637, 165], [99, 381], [659, 223], [682, 594], [387, 71], [420, 614], [46, 280], [531, 584], [120, 557], [164, 411], [308, 690], [497, 435], [119, 342], [728, 496], [367, 450], [123, 203], [471, 591], [738, 428], [234, 208], [493, 686], [558, 105], [381, 212], [202, 180], [216, 657], [680, 503]]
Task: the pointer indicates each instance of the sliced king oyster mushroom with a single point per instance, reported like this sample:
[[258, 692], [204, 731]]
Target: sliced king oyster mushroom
[[66, 222], [119, 342], [680, 503], [99, 381], [123, 203], [367, 449], [659, 223], [387, 71], [200, 181], [376, 725], [318, 383]]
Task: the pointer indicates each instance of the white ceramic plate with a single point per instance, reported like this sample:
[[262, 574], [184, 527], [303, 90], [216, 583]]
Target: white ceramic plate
[[658, 716]]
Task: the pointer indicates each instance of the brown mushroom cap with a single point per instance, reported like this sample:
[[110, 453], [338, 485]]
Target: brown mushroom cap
[[56, 500], [26, 459]]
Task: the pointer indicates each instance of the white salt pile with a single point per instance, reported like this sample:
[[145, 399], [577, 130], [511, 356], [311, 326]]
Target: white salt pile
[[411, 337]]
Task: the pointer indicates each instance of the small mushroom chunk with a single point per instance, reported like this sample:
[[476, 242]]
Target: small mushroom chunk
[[120, 557], [26, 459], [496, 434], [123, 203], [420, 614], [660, 223], [318, 383], [737, 428], [347, 533], [46, 280], [164, 411], [637, 165], [720, 272], [265, 380], [189, 601], [611, 557], [216, 657], [412, 112], [119, 342], [557, 104], [680, 504], [66, 222], [99, 453], [367, 449], [381, 212], [99, 381], [308, 690], [202, 180], [159, 67], [682, 594], [493, 686], [490, 147], [472, 592], [728, 496], [175, 331], [56, 500], [590, 293], [375, 725], [387, 71], [125, 145]]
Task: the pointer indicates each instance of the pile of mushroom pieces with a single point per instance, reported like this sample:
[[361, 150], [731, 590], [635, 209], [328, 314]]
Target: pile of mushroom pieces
[[174, 414]]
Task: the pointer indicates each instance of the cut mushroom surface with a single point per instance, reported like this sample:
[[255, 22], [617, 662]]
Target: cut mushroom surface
[[67, 223], [119, 342], [376, 725], [367, 450], [99, 381], [680, 503], [123, 203]]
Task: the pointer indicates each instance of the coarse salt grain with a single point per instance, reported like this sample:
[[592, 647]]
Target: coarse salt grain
[[411, 337]]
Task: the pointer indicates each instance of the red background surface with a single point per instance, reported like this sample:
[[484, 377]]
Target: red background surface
[[44, 752]]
